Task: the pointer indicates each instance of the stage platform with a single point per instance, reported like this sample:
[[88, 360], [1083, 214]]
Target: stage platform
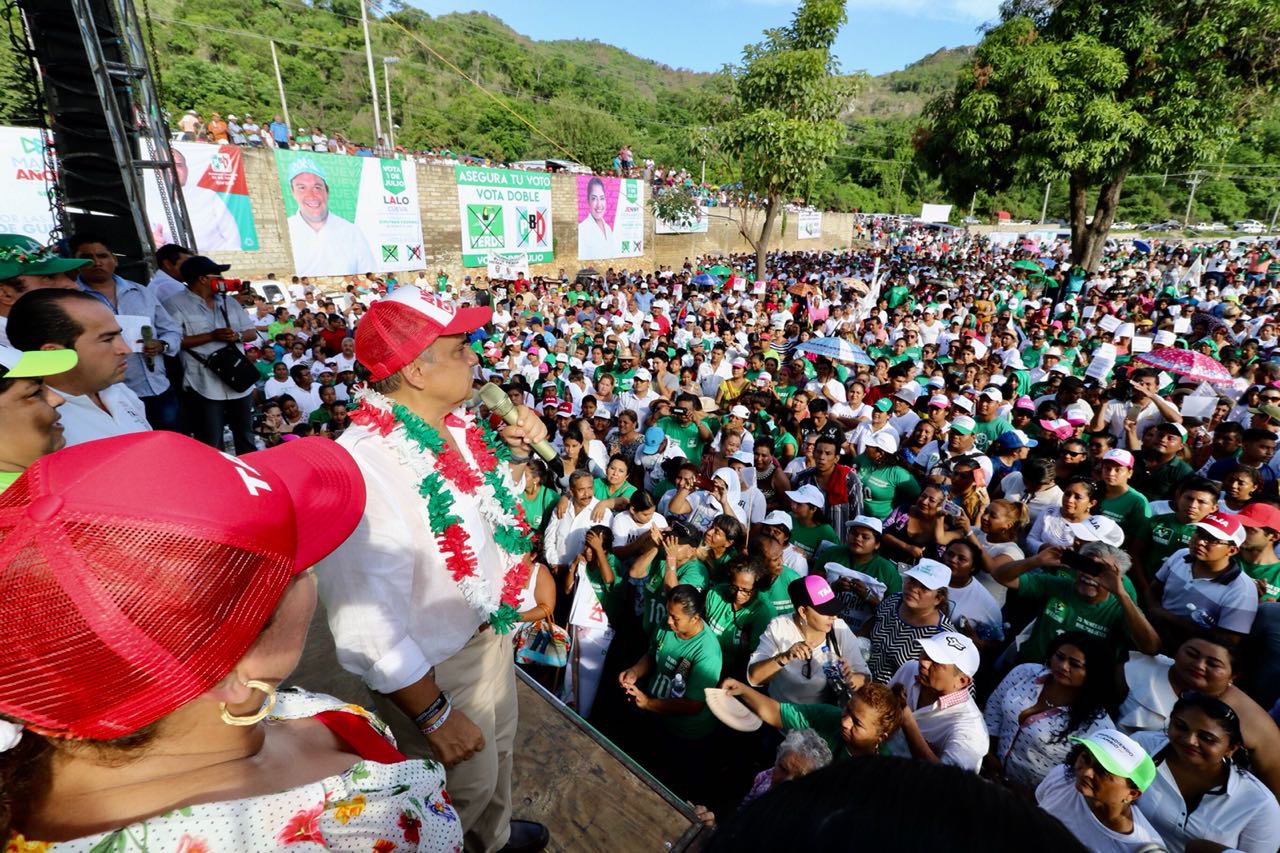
[[588, 793]]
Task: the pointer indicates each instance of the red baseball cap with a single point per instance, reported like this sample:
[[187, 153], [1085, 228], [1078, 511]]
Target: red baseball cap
[[1228, 528], [130, 592], [1260, 515], [395, 331]]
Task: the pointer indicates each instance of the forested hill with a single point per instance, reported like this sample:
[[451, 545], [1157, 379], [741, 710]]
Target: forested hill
[[586, 98]]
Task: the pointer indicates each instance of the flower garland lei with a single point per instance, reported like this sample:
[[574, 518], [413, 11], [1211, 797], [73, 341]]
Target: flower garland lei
[[440, 471]]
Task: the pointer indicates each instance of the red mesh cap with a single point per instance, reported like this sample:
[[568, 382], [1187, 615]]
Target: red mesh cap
[[395, 331], [137, 570]]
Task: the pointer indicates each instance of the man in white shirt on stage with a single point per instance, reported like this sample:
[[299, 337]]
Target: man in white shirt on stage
[[420, 598], [323, 242]]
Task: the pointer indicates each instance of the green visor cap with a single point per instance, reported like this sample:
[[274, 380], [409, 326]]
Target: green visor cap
[[17, 364]]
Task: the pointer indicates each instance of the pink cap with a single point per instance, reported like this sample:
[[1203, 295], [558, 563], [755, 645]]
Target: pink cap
[[1119, 457]]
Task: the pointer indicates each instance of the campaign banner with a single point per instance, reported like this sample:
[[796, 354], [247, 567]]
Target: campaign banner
[[809, 224], [610, 218], [350, 215], [507, 267], [25, 184], [697, 225], [215, 194], [935, 212], [505, 211]]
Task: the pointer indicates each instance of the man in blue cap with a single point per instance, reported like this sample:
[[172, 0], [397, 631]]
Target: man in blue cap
[[323, 243]]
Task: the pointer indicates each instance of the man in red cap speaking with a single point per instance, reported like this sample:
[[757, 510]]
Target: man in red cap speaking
[[422, 596]]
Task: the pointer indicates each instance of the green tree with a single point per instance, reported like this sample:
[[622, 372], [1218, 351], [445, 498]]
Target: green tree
[[781, 124], [1090, 92]]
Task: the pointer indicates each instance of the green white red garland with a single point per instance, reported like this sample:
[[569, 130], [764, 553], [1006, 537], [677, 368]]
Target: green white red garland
[[442, 471]]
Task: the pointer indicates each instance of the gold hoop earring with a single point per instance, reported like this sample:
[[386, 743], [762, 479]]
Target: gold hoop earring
[[232, 720]]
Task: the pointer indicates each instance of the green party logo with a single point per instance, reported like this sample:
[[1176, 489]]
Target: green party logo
[[484, 226], [392, 176], [632, 190]]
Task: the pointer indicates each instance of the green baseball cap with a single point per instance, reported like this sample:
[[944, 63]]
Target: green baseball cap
[[17, 364], [1120, 755], [305, 166], [20, 255]]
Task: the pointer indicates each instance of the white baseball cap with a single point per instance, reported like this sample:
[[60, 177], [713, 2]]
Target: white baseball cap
[[953, 648], [867, 521], [884, 439], [744, 457], [643, 373], [740, 411], [931, 573], [1098, 528], [810, 494], [777, 518], [962, 402], [908, 393]]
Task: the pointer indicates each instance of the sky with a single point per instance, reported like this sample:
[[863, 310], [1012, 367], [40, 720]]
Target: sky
[[703, 35]]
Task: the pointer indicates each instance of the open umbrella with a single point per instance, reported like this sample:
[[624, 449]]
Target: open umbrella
[[1142, 246], [836, 349], [721, 270], [1028, 265], [1187, 363], [705, 280], [1049, 263]]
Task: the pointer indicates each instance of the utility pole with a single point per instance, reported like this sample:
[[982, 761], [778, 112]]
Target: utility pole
[[1196, 178], [284, 103], [973, 202], [373, 80], [1274, 214], [387, 62], [1044, 208]]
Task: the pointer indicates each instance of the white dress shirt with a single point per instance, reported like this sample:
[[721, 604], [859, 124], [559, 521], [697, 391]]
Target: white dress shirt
[[393, 607], [567, 535], [952, 726], [83, 420], [1243, 814]]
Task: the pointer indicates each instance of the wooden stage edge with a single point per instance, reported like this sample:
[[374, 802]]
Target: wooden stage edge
[[566, 775]]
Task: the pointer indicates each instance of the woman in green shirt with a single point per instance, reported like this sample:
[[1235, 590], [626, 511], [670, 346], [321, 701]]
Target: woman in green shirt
[[537, 499], [808, 528], [737, 614], [683, 660], [886, 482], [613, 493]]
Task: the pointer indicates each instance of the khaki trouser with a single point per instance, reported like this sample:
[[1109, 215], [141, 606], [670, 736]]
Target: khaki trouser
[[481, 682]]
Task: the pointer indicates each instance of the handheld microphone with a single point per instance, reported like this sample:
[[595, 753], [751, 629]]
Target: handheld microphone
[[148, 337], [499, 403]]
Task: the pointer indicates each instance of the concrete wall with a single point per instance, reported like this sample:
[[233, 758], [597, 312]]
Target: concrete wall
[[438, 199]]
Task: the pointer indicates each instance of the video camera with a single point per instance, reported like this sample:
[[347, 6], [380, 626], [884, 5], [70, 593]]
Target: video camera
[[1081, 564], [229, 285]]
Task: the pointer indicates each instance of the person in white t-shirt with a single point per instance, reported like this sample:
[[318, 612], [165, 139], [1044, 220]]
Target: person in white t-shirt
[[1094, 794], [98, 402]]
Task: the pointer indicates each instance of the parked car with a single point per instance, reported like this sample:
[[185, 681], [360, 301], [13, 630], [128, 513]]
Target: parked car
[[1250, 226], [971, 220], [1122, 226]]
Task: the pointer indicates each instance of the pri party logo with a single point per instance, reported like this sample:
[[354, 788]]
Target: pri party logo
[[533, 227], [484, 226]]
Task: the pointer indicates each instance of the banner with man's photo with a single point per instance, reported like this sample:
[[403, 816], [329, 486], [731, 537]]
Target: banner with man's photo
[[506, 211], [809, 224], [25, 184], [350, 215], [610, 218], [216, 195]]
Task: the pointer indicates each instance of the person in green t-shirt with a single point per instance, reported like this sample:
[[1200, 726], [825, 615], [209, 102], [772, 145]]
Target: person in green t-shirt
[[885, 482], [683, 660], [1195, 498], [987, 425], [737, 614], [615, 490], [679, 566], [872, 715], [808, 529], [860, 552], [688, 427], [1258, 553], [1125, 506], [1103, 605], [772, 543]]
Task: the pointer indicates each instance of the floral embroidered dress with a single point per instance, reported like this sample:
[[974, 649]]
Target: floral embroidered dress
[[371, 807]]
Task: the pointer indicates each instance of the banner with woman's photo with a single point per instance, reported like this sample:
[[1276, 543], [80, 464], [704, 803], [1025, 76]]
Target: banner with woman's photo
[[610, 218]]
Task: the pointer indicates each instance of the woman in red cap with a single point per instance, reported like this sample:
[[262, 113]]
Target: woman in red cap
[[147, 631]]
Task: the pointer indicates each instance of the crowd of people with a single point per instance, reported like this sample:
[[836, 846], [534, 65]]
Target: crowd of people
[[934, 500]]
